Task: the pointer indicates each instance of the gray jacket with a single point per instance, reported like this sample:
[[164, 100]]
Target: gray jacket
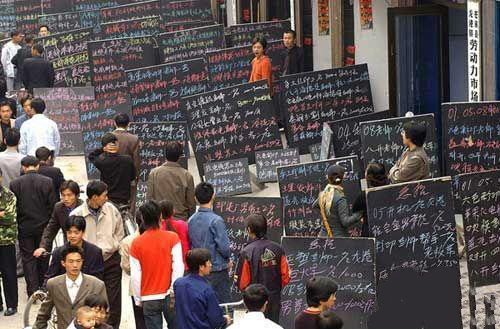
[[338, 214], [413, 165]]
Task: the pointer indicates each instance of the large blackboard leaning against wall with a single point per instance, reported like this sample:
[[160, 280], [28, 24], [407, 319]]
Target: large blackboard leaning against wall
[[348, 261], [381, 141], [232, 122], [243, 34], [300, 186], [267, 161], [62, 106], [416, 255], [309, 99], [480, 204]]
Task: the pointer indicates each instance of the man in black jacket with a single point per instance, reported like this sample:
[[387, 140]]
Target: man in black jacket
[[117, 171], [35, 202], [45, 156], [93, 262], [37, 72], [293, 57], [22, 55]]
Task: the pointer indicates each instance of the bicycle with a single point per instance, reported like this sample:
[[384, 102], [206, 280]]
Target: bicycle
[[129, 223], [230, 309], [38, 295]]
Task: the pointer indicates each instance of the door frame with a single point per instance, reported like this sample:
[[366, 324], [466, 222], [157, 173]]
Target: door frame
[[391, 42]]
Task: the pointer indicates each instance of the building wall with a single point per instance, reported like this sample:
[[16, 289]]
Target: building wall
[[458, 55], [322, 45], [371, 48]]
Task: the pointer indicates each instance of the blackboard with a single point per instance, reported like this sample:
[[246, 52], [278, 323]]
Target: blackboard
[[235, 210], [326, 142], [27, 12], [228, 123], [96, 119], [189, 44], [346, 134], [56, 6], [480, 199], [153, 139], [110, 58], [180, 26], [229, 177], [68, 53], [62, 107], [7, 16], [416, 255], [232, 66], [190, 10], [348, 261], [300, 186], [156, 91], [243, 34], [69, 21], [131, 28], [471, 134], [80, 5], [381, 141], [267, 161], [130, 11], [312, 98]]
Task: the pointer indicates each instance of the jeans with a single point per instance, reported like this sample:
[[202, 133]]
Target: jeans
[[221, 282], [153, 310]]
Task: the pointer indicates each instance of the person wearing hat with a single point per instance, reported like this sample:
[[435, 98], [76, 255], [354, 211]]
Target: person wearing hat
[[333, 205]]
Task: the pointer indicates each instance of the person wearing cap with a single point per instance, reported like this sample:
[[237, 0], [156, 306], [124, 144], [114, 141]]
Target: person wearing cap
[[333, 205], [414, 163]]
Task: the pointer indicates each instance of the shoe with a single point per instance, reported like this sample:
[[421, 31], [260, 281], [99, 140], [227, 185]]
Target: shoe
[[10, 311]]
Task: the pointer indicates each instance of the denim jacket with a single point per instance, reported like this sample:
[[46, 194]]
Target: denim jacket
[[207, 230]]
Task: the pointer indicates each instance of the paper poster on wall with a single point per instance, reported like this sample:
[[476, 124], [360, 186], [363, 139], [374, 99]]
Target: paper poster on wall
[[366, 13], [474, 49], [323, 17]]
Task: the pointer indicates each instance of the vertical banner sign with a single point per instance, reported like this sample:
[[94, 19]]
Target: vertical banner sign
[[366, 14], [474, 49], [323, 17]]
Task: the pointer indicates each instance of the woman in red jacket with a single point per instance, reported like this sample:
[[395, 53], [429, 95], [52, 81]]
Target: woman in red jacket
[[261, 64], [178, 226]]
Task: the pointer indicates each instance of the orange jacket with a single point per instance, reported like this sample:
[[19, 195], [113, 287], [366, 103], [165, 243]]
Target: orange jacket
[[262, 69]]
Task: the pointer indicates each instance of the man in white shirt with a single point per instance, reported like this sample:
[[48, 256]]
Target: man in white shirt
[[67, 292], [9, 50], [256, 298], [39, 131]]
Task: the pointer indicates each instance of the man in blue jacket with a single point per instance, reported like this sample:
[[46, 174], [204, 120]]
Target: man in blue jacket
[[196, 303], [207, 230]]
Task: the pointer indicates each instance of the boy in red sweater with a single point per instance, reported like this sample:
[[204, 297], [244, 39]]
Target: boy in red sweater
[[155, 264]]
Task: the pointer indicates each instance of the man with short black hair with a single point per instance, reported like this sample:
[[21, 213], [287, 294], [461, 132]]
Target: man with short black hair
[[8, 238], [264, 262], [22, 54], [6, 122], [93, 263], [207, 230], [172, 182], [10, 50], [44, 155], [117, 170], [37, 71], [329, 320], [10, 159], [196, 302], [39, 131], [35, 202], [104, 228], [256, 298], [320, 296], [293, 56], [43, 31], [28, 111], [155, 264], [67, 292]]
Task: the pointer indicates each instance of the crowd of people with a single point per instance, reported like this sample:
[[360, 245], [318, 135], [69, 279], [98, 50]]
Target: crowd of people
[[179, 258]]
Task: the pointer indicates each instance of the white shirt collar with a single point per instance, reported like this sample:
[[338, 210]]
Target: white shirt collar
[[77, 282], [254, 316]]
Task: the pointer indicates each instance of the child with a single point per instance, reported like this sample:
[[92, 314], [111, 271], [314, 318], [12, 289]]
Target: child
[[100, 308], [329, 320], [320, 296], [263, 261], [178, 226], [85, 319]]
